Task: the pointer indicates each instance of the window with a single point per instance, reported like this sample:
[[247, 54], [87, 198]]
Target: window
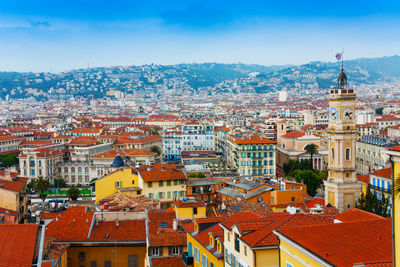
[[155, 251], [168, 182], [82, 259], [333, 153], [289, 264], [150, 184], [204, 261], [132, 261], [175, 182], [118, 184], [175, 250], [259, 199], [195, 211], [196, 254], [160, 183], [93, 263], [347, 153], [245, 250], [292, 199], [107, 263]]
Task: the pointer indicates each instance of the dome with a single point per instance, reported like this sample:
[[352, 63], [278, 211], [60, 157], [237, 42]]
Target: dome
[[118, 162]]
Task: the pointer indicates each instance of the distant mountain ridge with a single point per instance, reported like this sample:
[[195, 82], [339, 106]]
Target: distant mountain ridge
[[204, 77]]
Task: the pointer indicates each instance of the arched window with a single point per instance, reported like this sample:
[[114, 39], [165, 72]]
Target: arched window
[[333, 153], [65, 169], [86, 169], [72, 169], [79, 169], [347, 153]]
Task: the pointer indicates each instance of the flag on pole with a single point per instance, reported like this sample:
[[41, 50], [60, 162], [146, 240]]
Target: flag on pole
[[338, 56]]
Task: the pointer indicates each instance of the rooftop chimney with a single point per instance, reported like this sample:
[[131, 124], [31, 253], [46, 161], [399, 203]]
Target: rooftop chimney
[[175, 224]]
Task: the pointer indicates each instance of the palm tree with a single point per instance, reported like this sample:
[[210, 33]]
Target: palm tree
[[41, 185], [311, 149]]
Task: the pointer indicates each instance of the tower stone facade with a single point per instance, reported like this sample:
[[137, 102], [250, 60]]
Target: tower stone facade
[[342, 189]]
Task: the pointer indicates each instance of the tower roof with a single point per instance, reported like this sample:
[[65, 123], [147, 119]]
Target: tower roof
[[342, 80], [118, 162]]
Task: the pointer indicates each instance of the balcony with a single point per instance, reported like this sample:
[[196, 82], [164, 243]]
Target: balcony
[[389, 191], [188, 261]]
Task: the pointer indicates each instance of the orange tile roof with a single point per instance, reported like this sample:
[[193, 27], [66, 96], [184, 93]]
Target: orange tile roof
[[44, 152], [49, 215], [363, 178], [85, 130], [15, 186], [187, 204], [156, 173], [395, 148], [75, 224], [294, 134], [134, 230], [345, 244], [17, 244], [387, 173], [354, 215], [255, 139], [167, 261]]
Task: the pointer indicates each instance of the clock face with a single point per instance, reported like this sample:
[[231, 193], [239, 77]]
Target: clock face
[[333, 114], [347, 114]]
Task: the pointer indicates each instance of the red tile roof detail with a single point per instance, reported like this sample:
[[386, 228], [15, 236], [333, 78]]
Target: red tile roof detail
[[49, 215], [255, 139], [355, 215], [15, 186], [167, 262], [377, 264], [294, 134], [197, 203], [395, 148], [311, 204], [17, 244], [363, 178], [387, 173], [111, 154], [134, 230], [72, 225], [345, 244], [168, 238], [162, 172]]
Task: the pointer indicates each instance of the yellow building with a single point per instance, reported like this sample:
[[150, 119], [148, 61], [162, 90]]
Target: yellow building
[[163, 182], [204, 243], [124, 180], [338, 244], [13, 198], [190, 209], [249, 239], [342, 189], [100, 238], [394, 154]]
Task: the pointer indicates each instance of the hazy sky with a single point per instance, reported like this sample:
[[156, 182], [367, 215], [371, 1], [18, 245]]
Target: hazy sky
[[58, 35]]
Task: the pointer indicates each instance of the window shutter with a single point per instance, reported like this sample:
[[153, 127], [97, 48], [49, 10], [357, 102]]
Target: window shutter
[[150, 251], [160, 251], [170, 251]]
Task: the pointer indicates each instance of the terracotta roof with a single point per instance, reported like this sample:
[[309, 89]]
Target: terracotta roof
[[345, 244], [255, 139], [363, 178], [159, 173], [85, 130], [395, 148], [17, 244], [387, 173], [167, 261], [187, 204], [15, 186], [75, 224], [49, 215], [294, 134], [354, 215], [317, 200], [44, 152], [161, 232], [125, 231]]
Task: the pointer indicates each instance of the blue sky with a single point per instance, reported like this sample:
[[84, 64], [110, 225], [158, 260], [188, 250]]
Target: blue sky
[[58, 35]]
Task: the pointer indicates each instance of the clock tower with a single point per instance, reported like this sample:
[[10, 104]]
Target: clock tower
[[342, 189]]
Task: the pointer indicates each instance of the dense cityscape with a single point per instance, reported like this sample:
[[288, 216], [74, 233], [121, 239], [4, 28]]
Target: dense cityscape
[[141, 178], [199, 133]]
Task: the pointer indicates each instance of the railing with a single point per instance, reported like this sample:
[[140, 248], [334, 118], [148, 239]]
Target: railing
[[389, 191], [188, 261]]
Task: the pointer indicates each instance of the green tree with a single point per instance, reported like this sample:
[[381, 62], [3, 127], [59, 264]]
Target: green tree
[[311, 149], [310, 179], [41, 185], [154, 131], [59, 183], [370, 202], [156, 149], [8, 160], [73, 193], [379, 111]]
